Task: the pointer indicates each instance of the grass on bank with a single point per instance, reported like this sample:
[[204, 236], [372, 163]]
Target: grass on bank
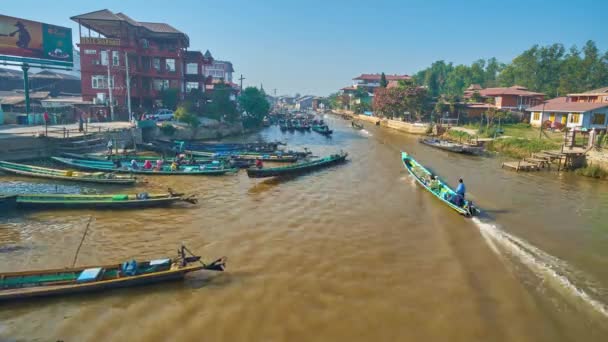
[[520, 147], [592, 171]]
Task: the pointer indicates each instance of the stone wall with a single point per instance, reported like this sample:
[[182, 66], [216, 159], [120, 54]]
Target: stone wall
[[407, 127], [183, 132]]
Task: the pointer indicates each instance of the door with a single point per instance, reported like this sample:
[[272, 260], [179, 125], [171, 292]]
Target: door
[[552, 117], [564, 118]]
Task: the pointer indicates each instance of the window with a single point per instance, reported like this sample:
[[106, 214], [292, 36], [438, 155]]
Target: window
[[101, 82], [170, 65], [115, 59], [90, 52], [156, 63], [599, 119], [574, 117], [192, 68], [536, 116], [104, 57], [191, 85], [161, 84], [552, 117]]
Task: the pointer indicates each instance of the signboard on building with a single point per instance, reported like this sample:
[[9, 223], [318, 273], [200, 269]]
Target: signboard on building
[[33, 42], [99, 41]]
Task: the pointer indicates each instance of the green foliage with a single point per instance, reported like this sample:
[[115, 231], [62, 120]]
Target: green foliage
[[221, 106], [168, 129], [452, 134], [255, 105], [520, 148], [550, 69], [170, 97], [362, 107], [334, 101], [593, 171], [185, 113], [383, 81]]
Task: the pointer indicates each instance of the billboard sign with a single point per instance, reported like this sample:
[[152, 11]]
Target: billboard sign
[[25, 40]]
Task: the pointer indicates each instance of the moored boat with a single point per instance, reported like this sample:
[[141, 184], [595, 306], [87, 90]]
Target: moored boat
[[442, 191], [451, 146], [112, 201], [297, 168], [184, 170], [322, 129], [65, 175], [65, 281], [356, 125]]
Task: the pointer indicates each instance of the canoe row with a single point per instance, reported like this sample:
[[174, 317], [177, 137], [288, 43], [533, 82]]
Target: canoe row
[[54, 282], [65, 175], [297, 168], [184, 170], [112, 201], [443, 192]]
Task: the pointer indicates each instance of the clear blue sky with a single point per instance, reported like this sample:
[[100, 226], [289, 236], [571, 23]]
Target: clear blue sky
[[318, 46]]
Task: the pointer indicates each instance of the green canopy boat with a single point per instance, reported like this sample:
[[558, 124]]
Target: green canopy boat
[[441, 191], [184, 170], [297, 168], [65, 281], [322, 129], [65, 175], [112, 201]]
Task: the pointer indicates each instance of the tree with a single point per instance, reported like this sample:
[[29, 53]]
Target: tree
[[383, 81], [406, 97], [256, 107], [170, 97], [185, 113], [221, 106]]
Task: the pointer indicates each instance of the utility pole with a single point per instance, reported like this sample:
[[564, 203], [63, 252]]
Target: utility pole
[[26, 87], [109, 60], [241, 79], [128, 87]]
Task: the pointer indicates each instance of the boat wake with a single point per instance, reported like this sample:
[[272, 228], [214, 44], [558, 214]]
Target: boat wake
[[546, 266], [366, 133]]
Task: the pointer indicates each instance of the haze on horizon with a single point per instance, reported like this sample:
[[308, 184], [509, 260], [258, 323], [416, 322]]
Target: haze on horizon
[[316, 47]]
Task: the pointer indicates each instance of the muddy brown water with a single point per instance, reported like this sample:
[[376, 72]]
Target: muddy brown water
[[357, 252]]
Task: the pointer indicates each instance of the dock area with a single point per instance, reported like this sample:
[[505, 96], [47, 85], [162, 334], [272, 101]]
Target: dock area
[[565, 159], [521, 166]]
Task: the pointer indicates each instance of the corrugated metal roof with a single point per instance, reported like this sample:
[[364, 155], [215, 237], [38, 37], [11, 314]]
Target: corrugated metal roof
[[560, 104]]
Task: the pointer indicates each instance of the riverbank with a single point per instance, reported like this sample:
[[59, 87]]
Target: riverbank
[[417, 128]]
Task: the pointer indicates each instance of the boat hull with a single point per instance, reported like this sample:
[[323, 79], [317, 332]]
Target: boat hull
[[39, 172], [452, 147], [295, 169], [50, 201]]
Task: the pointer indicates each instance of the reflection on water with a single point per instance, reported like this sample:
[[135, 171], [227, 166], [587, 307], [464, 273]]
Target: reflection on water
[[356, 252]]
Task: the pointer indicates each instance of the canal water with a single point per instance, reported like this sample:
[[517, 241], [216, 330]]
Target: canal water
[[357, 252]]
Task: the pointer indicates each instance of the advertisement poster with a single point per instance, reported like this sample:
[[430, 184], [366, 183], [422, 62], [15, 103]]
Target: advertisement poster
[[32, 39]]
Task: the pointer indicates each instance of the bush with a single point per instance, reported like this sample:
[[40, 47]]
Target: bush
[[168, 129], [593, 171], [520, 148], [457, 135]]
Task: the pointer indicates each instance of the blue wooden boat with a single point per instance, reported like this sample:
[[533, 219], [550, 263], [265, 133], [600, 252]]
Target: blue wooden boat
[[443, 192], [66, 281], [322, 129], [184, 170]]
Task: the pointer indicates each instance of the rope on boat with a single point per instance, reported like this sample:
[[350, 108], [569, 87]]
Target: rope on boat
[[82, 240]]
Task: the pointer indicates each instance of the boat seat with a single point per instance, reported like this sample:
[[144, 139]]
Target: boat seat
[[89, 274], [160, 262]]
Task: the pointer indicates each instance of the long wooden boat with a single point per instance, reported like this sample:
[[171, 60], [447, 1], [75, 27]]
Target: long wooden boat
[[297, 168], [224, 147], [184, 170], [65, 175], [112, 201], [274, 157], [451, 146], [65, 281], [443, 192], [322, 129], [137, 157]]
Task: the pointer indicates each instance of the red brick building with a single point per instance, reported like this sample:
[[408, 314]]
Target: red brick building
[[157, 59], [515, 98]]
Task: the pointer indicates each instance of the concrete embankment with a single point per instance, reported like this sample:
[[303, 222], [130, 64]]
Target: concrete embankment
[[402, 126]]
